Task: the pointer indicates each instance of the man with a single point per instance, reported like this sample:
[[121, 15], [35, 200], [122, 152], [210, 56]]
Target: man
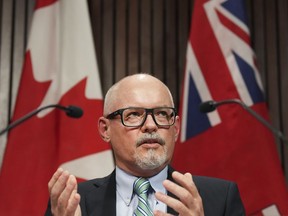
[[142, 127]]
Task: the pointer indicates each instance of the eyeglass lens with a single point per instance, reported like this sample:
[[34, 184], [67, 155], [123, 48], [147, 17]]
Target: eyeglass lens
[[136, 116]]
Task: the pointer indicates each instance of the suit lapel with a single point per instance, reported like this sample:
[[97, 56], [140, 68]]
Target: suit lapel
[[169, 177], [102, 200], [110, 197]]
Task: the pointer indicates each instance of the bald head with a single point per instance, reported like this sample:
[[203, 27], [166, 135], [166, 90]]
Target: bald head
[[134, 90]]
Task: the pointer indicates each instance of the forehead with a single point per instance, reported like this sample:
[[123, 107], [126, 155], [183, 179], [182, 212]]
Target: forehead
[[146, 93]]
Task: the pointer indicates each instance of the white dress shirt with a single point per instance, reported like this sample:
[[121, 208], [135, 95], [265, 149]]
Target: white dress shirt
[[127, 201]]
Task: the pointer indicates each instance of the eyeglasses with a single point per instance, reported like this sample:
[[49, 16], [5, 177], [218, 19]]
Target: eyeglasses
[[136, 116]]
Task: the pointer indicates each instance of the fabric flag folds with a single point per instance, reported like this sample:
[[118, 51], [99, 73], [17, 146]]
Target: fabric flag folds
[[60, 68], [228, 143]]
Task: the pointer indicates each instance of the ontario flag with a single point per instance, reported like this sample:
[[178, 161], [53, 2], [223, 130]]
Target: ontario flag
[[60, 68], [228, 143]]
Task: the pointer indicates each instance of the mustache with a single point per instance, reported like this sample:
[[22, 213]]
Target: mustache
[[150, 138]]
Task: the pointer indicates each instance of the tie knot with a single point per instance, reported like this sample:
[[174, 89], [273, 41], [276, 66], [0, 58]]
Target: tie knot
[[141, 186]]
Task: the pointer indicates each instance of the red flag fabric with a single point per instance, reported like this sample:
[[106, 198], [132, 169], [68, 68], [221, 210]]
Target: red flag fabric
[[228, 143], [60, 68]]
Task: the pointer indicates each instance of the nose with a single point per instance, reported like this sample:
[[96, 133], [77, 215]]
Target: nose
[[149, 125]]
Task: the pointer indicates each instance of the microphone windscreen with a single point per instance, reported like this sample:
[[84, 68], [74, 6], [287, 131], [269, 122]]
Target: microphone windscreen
[[74, 111], [207, 106]]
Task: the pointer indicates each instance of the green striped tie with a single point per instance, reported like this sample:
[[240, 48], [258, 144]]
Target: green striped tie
[[141, 186]]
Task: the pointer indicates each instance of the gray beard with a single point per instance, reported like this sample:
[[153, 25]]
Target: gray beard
[[151, 160]]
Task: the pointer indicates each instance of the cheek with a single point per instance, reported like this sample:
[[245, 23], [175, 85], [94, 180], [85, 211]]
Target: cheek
[[122, 141], [170, 142]]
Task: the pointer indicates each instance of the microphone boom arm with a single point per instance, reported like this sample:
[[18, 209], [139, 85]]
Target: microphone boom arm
[[70, 111], [255, 114]]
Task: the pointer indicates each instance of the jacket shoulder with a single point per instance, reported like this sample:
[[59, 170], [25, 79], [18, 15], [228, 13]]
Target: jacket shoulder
[[210, 183], [219, 195]]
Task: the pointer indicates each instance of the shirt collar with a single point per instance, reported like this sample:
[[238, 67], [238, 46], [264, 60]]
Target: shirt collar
[[157, 180], [124, 183]]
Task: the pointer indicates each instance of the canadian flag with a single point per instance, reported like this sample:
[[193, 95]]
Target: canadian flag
[[60, 68], [228, 143]]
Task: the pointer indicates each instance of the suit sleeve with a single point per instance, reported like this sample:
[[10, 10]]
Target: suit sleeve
[[219, 197], [48, 210], [234, 205]]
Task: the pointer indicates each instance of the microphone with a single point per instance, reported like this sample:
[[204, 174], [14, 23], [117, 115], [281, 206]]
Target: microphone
[[211, 105], [71, 111]]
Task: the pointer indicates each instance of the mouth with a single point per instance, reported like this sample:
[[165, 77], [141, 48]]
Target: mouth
[[150, 143]]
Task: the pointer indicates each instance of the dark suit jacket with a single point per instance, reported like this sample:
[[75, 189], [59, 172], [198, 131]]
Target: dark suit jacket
[[219, 197]]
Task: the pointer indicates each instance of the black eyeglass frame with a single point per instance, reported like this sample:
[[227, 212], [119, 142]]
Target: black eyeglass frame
[[147, 111]]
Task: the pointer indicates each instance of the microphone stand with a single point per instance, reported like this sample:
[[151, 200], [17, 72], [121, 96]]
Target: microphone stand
[[277, 132], [34, 112]]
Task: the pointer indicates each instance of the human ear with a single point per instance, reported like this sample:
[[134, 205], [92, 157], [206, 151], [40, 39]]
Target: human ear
[[177, 127], [103, 129]]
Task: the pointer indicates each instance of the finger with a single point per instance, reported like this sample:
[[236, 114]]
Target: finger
[[73, 207], [186, 181], [182, 193], [176, 204], [58, 188], [186, 191], [67, 194], [54, 178], [73, 204], [160, 213]]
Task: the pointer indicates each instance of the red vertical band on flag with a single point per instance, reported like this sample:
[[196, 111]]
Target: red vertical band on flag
[[60, 68], [43, 3], [228, 143]]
